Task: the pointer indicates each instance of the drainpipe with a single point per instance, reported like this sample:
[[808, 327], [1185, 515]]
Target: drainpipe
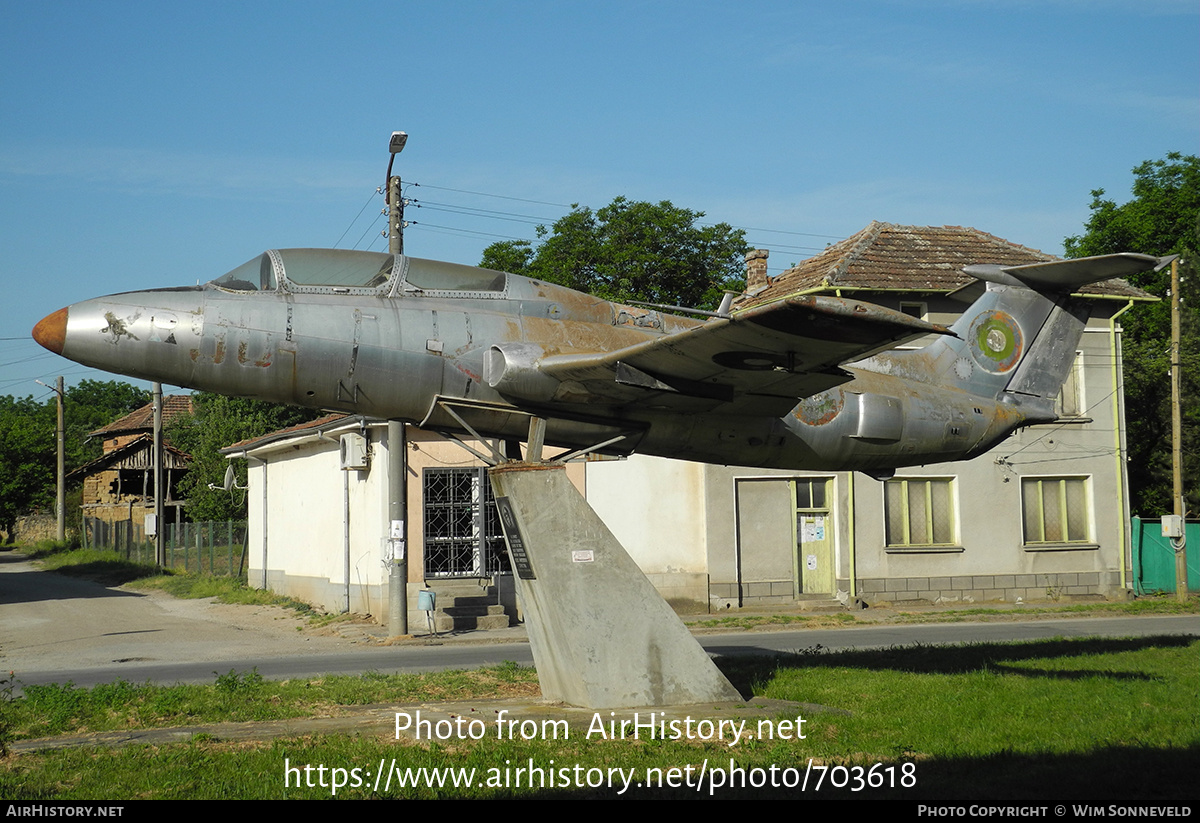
[[345, 526], [346, 539], [1118, 403], [265, 519], [850, 534]]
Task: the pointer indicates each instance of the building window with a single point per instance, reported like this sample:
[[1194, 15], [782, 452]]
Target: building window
[[916, 310], [463, 537], [810, 493], [920, 513], [1055, 511]]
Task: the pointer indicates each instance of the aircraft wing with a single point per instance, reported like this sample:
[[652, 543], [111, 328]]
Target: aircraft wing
[[760, 361]]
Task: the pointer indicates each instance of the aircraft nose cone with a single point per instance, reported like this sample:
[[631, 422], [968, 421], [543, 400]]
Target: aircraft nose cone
[[51, 331]]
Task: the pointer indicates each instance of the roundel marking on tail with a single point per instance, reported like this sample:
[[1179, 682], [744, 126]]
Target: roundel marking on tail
[[996, 342]]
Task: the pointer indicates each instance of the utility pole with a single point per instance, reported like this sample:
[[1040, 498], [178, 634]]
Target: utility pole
[[397, 443], [60, 499], [60, 496], [160, 554], [1178, 544]]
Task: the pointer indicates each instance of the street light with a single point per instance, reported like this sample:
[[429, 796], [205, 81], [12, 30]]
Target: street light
[[394, 202]]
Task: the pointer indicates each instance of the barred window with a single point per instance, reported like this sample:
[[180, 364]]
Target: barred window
[[920, 512], [1055, 510], [463, 537]]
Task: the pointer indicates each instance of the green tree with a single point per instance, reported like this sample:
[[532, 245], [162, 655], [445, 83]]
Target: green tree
[[632, 251], [90, 405], [26, 459], [216, 422], [1162, 218], [27, 441]]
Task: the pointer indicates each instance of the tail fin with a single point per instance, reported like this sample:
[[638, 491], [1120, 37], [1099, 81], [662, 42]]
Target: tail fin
[[1017, 341]]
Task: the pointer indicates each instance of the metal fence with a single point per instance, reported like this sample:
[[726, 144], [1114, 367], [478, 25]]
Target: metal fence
[[1154, 558], [216, 547]]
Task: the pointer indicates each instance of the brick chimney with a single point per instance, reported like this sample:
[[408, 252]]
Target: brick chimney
[[756, 271]]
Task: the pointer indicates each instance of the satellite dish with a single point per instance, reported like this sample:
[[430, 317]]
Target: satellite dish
[[230, 481]]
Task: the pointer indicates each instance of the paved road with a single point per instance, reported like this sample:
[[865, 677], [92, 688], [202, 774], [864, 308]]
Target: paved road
[[55, 629]]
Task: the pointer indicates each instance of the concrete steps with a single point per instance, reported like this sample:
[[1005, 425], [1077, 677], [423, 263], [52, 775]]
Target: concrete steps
[[466, 605]]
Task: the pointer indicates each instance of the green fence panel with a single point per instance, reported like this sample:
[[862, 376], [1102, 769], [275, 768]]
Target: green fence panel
[[1154, 559]]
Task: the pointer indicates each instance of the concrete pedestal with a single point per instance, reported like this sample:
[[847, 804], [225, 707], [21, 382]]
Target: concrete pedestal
[[601, 635]]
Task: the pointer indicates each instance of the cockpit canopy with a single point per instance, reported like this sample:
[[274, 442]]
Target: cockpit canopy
[[342, 271]]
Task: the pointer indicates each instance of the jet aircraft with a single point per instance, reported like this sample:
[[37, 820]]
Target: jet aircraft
[[806, 382]]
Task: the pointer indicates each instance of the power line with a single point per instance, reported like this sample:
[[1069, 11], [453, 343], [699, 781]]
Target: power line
[[360, 212], [538, 220], [486, 194], [480, 212]]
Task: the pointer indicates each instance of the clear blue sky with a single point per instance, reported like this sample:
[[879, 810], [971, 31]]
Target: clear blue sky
[[153, 144]]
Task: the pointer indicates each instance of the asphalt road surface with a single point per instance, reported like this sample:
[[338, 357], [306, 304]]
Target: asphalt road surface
[[57, 629]]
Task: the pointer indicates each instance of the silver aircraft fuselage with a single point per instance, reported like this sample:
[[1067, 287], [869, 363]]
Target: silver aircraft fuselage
[[812, 383]]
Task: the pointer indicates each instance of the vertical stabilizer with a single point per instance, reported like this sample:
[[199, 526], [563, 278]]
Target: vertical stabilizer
[[1017, 342]]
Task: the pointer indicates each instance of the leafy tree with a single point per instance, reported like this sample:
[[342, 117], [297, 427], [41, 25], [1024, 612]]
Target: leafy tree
[[216, 422], [26, 459], [27, 441], [1162, 218], [90, 405], [632, 251]]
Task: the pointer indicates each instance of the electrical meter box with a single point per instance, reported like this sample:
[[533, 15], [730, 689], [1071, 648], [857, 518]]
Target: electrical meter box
[[1172, 526]]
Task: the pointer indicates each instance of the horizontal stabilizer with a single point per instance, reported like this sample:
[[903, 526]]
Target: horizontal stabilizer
[[1068, 275]]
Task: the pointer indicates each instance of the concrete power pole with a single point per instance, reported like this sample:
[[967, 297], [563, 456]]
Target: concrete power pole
[[1178, 544], [397, 444], [160, 555], [60, 500]]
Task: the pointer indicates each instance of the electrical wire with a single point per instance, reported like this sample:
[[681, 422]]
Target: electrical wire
[[374, 194]]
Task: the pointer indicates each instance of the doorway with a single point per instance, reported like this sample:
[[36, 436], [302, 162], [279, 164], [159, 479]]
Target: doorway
[[814, 555]]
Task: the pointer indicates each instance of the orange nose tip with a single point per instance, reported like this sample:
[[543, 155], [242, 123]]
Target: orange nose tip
[[51, 331]]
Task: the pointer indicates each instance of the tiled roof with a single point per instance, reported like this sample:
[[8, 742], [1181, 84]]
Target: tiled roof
[[281, 433], [143, 418], [884, 256], [146, 441]]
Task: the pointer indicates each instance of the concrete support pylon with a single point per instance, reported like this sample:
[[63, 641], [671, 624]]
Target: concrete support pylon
[[602, 637]]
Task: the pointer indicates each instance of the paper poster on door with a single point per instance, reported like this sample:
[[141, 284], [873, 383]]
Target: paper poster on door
[[812, 529], [811, 562]]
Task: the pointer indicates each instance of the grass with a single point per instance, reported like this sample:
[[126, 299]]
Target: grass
[[1063, 720], [109, 568], [63, 708], [751, 621], [1149, 604]]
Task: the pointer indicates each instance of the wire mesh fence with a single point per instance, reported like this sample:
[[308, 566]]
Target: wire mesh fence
[[215, 547]]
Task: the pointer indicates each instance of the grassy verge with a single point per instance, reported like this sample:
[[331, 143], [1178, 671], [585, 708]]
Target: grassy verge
[[58, 709], [1150, 604], [109, 568], [1058, 720]]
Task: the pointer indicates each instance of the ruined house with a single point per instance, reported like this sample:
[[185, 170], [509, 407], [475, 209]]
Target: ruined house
[[118, 486]]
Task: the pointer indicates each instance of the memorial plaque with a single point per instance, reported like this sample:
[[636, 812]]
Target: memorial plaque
[[512, 536]]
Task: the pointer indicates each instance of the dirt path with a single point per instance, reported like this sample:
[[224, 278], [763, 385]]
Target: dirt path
[[51, 622]]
